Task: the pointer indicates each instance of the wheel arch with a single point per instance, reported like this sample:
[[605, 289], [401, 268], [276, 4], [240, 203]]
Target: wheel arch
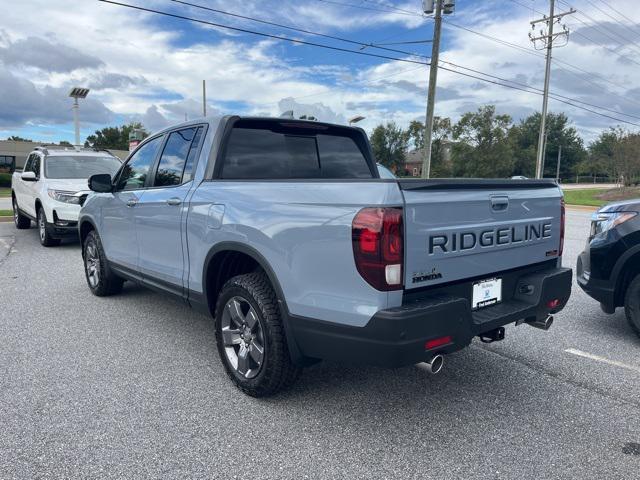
[[227, 259], [85, 226], [627, 267]]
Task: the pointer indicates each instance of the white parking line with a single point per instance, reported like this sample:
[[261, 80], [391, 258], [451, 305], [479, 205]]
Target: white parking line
[[597, 358]]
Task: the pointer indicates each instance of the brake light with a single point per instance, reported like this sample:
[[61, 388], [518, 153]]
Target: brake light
[[378, 246], [562, 215]]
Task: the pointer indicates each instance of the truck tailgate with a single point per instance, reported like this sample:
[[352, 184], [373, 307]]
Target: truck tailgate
[[469, 228]]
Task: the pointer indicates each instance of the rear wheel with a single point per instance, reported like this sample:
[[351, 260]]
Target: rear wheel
[[19, 219], [43, 230], [632, 304], [100, 278], [250, 336]]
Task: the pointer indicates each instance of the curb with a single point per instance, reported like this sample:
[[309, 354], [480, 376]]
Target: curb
[[584, 208], [6, 219]]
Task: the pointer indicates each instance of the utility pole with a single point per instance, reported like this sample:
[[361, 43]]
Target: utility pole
[[440, 7], [204, 98], [558, 164], [547, 38], [431, 95]]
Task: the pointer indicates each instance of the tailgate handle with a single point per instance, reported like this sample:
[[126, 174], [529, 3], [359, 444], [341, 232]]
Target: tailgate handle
[[499, 203]]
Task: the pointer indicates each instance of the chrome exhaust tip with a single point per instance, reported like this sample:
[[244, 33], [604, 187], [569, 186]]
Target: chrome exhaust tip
[[544, 324], [434, 365]]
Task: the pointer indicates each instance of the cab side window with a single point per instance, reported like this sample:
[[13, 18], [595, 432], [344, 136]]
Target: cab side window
[[133, 175], [176, 163]]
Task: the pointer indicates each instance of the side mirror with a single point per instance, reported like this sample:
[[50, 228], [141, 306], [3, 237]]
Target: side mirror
[[28, 176], [100, 183]]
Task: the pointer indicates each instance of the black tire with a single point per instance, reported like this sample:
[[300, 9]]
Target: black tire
[[100, 278], [21, 222], [44, 232], [276, 371], [632, 304]]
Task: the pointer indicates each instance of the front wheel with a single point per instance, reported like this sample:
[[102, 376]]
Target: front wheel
[[250, 336], [46, 239], [632, 304], [19, 219], [100, 278]]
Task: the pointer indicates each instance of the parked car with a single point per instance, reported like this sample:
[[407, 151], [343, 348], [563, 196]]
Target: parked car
[[608, 269], [282, 230], [52, 187]]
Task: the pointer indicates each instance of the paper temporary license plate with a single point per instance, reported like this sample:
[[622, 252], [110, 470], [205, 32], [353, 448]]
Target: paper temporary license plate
[[486, 292]]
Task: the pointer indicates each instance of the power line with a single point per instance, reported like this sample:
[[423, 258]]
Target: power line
[[363, 7], [619, 12], [262, 34], [602, 31], [295, 29], [556, 96], [277, 37], [394, 8], [594, 5], [371, 81]]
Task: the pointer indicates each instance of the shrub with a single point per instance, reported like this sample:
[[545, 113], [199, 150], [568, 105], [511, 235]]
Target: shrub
[[5, 180]]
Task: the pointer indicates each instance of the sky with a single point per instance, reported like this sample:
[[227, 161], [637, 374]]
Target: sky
[[146, 67]]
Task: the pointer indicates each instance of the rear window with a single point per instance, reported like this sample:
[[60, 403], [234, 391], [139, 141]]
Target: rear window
[[280, 152], [81, 166]]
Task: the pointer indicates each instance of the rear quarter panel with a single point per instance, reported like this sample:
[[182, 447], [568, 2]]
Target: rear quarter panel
[[303, 230]]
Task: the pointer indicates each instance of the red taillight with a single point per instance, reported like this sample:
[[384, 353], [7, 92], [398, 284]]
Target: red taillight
[[562, 215], [553, 303], [437, 342], [378, 246]]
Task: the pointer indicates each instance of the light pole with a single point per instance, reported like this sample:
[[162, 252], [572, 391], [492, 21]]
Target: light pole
[[356, 119], [76, 93]]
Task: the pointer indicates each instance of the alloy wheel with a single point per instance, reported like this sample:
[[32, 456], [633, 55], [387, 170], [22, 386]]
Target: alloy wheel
[[243, 337], [42, 227], [92, 264], [15, 211]]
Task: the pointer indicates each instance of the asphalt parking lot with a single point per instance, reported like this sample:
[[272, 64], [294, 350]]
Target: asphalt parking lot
[[131, 386]]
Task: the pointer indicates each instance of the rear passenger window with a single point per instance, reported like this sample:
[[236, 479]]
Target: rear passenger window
[[134, 173], [174, 157], [278, 152], [193, 153]]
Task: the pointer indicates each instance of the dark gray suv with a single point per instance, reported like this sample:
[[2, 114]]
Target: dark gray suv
[[609, 267]]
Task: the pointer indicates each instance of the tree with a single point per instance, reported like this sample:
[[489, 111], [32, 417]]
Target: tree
[[483, 147], [16, 138], [389, 144], [524, 137], [116, 138], [440, 166], [64, 143]]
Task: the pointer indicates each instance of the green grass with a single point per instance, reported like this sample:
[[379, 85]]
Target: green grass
[[6, 213], [5, 192], [584, 197]]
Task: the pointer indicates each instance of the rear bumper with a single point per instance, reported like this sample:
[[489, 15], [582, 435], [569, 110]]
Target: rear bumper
[[397, 336]]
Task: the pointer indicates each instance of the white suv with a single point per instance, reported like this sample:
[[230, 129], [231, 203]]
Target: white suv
[[53, 186]]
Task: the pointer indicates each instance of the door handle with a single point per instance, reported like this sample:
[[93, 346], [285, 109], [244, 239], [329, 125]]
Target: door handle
[[132, 202], [174, 201]]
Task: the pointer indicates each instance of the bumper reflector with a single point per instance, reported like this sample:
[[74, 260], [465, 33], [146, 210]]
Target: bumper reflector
[[553, 303], [438, 342]]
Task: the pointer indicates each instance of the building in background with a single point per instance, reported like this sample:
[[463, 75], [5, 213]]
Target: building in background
[[13, 154]]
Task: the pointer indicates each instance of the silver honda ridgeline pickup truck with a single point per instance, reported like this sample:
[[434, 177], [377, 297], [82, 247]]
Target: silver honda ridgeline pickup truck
[[284, 232]]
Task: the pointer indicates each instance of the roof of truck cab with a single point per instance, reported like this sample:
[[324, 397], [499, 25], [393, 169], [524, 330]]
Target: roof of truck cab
[[214, 121]]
